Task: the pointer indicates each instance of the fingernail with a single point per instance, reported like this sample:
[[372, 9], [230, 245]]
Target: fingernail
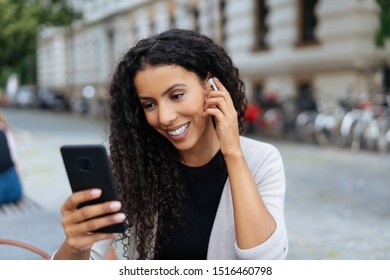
[[119, 217], [96, 192], [115, 205]]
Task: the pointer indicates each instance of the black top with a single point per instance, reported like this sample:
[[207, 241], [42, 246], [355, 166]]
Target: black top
[[204, 187], [5, 155]]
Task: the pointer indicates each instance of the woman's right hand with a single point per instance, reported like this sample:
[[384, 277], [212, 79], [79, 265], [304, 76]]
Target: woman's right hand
[[79, 224]]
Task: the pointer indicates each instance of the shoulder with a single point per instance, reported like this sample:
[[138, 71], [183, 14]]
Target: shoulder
[[255, 148], [261, 155]]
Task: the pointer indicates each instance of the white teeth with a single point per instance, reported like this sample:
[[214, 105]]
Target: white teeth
[[178, 131]]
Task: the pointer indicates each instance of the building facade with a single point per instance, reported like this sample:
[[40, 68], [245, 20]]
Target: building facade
[[288, 48]]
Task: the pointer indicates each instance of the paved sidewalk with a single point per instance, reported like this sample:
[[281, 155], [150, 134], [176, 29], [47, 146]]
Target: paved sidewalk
[[40, 229], [43, 176], [337, 202]]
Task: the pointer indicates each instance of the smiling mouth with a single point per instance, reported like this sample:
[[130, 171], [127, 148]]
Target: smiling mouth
[[179, 131]]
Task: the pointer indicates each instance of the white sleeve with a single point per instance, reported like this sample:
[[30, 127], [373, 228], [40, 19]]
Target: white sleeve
[[270, 180], [100, 249]]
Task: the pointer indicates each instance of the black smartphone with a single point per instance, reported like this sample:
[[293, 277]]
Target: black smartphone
[[87, 166]]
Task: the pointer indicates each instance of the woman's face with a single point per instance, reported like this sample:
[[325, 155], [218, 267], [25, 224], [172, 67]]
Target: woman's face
[[173, 98]]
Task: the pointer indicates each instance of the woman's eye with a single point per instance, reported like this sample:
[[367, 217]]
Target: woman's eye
[[148, 106], [177, 96]]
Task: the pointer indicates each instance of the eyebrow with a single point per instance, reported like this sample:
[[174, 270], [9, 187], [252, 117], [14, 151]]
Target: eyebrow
[[165, 92]]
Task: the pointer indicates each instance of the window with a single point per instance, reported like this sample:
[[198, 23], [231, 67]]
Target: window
[[195, 17], [172, 20], [261, 25], [223, 20], [386, 79], [171, 13], [305, 97], [152, 21], [111, 38], [307, 21], [134, 29], [258, 93]]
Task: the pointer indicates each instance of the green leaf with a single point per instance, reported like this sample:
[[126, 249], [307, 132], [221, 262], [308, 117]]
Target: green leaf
[[20, 21]]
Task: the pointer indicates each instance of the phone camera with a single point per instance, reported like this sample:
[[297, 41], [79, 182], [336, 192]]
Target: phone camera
[[84, 164]]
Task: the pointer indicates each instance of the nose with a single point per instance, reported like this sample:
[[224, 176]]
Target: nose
[[166, 114]]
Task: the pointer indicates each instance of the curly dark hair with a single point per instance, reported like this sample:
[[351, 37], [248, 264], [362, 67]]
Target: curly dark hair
[[145, 164]]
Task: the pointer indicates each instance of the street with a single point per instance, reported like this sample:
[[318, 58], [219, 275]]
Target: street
[[337, 202]]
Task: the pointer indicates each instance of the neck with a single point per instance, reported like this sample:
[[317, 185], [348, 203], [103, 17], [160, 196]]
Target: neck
[[204, 150]]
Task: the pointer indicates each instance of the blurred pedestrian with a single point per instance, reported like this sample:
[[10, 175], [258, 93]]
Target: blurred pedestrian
[[190, 185], [10, 184]]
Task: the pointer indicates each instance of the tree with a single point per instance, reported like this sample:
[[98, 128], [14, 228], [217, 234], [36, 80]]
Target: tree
[[20, 21], [384, 26]]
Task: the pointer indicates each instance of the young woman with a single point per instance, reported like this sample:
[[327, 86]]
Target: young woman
[[10, 184], [190, 185]]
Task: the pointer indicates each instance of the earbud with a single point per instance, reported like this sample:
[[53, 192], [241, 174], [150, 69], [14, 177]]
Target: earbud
[[211, 82]]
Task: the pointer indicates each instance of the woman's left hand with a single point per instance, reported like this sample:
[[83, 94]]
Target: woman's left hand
[[219, 104]]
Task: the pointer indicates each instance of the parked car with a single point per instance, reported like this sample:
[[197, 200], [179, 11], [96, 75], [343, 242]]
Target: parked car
[[52, 99], [25, 96]]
